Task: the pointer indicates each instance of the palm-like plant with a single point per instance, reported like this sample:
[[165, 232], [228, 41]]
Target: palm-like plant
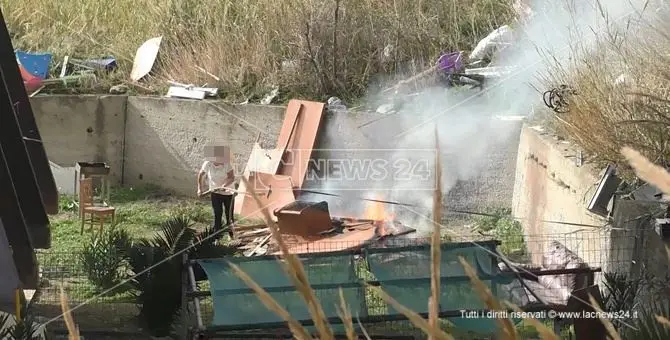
[[105, 259], [158, 266], [619, 292], [25, 329], [647, 324]]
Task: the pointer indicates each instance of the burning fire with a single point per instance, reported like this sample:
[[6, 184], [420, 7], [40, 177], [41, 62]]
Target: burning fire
[[376, 212]]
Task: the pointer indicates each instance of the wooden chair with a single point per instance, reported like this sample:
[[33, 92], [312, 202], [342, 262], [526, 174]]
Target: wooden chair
[[88, 212]]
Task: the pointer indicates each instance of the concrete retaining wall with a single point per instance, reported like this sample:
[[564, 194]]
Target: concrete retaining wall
[[160, 140], [550, 186], [82, 128], [165, 137]]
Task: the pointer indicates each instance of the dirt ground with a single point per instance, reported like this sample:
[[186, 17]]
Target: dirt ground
[[120, 317]]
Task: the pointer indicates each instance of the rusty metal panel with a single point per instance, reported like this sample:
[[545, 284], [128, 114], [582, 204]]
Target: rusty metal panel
[[304, 219], [298, 136], [273, 191]]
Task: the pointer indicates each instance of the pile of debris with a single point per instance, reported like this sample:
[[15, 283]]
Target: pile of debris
[[276, 176], [307, 227]]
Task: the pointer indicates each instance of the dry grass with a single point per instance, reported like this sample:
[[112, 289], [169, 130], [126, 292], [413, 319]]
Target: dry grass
[[309, 48], [72, 329], [607, 114]]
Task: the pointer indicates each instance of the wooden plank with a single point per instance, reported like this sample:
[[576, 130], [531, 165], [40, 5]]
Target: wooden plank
[[258, 246], [299, 133], [273, 192]]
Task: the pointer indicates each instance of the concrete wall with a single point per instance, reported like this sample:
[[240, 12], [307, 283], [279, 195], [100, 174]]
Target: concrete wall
[[165, 137], [160, 140], [550, 186], [82, 128]]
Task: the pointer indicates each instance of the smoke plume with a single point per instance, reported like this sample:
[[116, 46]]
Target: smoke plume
[[471, 122]]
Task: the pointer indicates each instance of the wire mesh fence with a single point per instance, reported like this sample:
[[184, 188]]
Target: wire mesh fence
[[97, 307]]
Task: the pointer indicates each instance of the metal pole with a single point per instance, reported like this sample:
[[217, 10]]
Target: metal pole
[[196, 300]]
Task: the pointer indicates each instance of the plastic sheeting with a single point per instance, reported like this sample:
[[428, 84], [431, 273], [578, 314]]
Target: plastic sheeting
[[240, 308], [455, 295]]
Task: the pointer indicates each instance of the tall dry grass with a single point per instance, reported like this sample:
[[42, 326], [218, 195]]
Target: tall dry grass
[[623, 92], [309, 48]]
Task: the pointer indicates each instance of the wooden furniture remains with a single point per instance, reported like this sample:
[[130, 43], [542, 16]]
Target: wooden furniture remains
[[99, 172], [88, 212]]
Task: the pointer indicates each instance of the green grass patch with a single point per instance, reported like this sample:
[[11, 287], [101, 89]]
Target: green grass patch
[[139, 210], [502, 226]]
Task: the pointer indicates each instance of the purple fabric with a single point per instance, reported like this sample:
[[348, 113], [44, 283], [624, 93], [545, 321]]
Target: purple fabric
[[450, 62]]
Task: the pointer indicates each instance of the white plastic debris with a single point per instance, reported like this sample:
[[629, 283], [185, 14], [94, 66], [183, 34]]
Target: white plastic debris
[[336, 105], [271, 96], [489, 45], [387, 53], [386, 108]]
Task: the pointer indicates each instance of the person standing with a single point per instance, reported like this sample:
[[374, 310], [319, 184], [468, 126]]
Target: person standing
[[220, 177]]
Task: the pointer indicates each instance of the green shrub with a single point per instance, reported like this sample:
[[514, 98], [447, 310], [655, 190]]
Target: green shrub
[[157, 264], [105, 260], [502, 225]]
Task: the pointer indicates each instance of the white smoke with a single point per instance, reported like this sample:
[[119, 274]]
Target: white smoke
[[466, 119]]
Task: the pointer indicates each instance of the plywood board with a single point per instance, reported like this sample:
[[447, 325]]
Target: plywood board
[[298, 134], [261, 160], [264, 160], [273, 191]]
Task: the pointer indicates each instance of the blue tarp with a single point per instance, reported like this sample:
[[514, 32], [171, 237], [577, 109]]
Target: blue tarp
[[35, 63]]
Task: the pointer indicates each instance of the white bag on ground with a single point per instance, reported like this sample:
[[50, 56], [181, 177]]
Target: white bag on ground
[[488, 46]]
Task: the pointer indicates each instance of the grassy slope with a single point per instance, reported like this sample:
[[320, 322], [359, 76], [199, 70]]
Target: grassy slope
[[336, 46], [608, 113]]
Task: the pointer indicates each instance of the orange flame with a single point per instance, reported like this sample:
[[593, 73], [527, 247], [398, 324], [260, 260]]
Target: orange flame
[[376, 211]]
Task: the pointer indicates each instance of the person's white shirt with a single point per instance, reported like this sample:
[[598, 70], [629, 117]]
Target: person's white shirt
[[217, 175]]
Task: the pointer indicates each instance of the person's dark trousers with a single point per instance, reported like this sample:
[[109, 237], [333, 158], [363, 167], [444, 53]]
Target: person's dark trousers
[[219, 204]]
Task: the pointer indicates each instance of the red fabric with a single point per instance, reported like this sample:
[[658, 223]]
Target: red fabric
[[31, 82]]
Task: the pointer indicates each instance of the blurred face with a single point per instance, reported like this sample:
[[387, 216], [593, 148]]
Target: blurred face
[[217, 153]]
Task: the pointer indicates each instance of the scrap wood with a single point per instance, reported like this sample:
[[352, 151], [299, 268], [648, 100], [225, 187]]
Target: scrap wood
[[264, 160], [258, 246], [357, 198], [299, 132], [254, 232], [273, 192]]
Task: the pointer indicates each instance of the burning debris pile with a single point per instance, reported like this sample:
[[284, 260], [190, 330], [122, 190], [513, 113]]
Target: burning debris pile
[[276, 177], [308, 227]]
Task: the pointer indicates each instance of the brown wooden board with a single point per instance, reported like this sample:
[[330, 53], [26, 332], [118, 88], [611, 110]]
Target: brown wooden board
[[298, 134]]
